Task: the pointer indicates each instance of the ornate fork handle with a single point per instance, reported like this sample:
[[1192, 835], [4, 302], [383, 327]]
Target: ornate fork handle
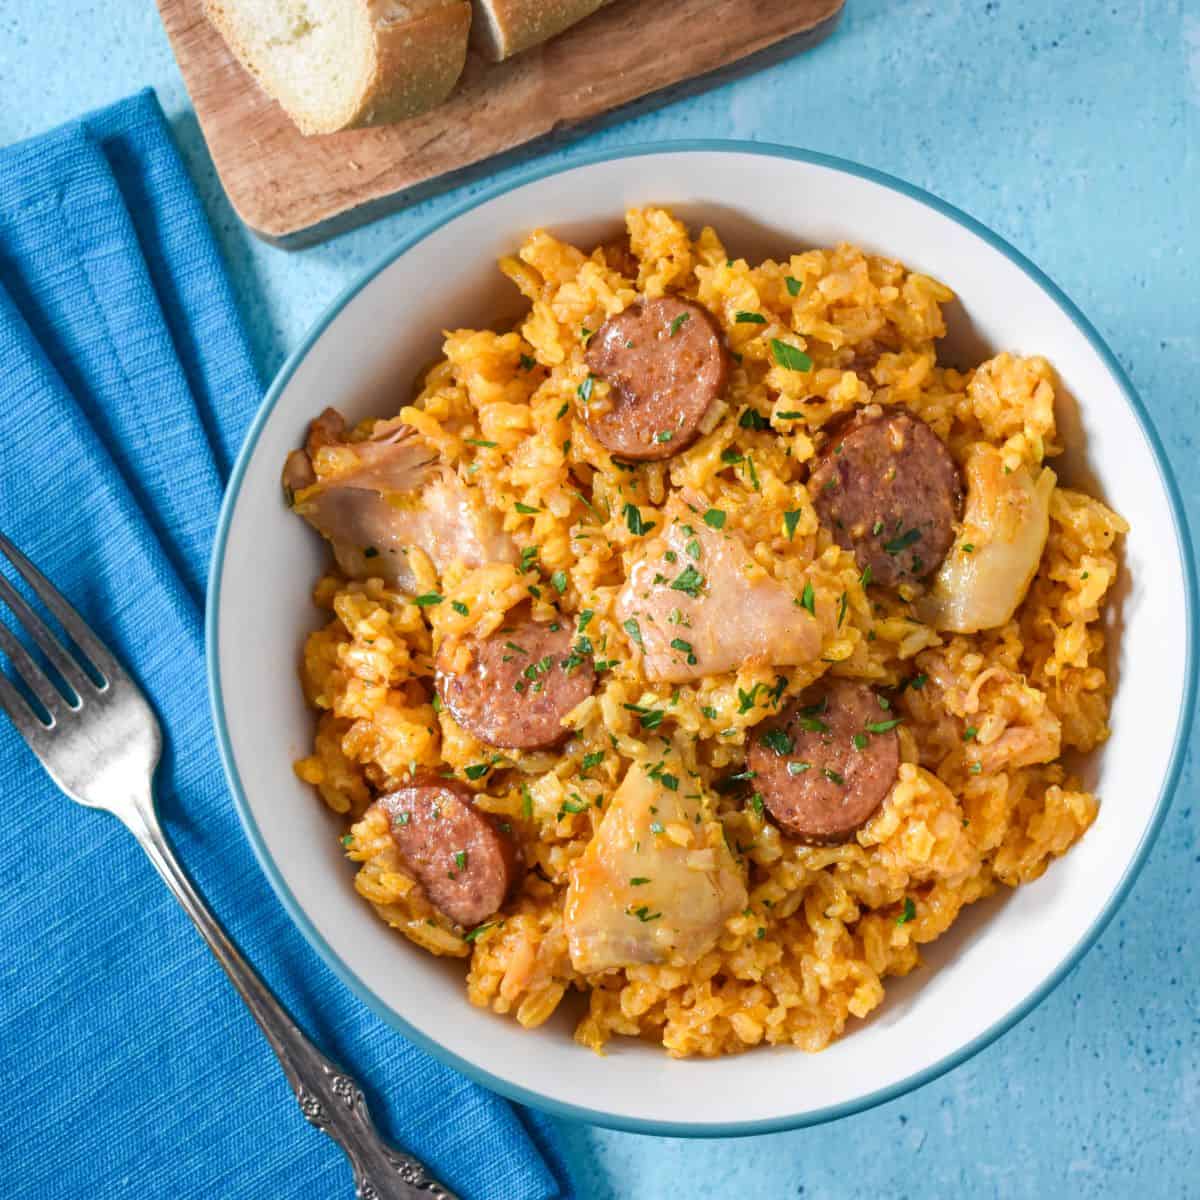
[[328, 1097]]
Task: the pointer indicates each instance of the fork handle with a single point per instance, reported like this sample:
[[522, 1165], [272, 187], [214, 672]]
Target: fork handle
[[328, 1097]]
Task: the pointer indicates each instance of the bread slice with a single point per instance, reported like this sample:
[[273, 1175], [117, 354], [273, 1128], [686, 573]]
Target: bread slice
[[336, 64], [503, 28]]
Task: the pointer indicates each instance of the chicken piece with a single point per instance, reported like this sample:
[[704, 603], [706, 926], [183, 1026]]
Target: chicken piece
[[710, 607], [1004, 529], [394, 494], [657, 881]]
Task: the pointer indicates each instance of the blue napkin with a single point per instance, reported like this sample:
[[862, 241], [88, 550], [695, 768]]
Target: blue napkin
[[127, 1064]]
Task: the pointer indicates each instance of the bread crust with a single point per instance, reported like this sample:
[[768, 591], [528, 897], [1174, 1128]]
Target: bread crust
[[524, 23], [419, 50]]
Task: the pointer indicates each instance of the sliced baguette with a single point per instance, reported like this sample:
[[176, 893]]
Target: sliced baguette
[[337, 64], [502, 28]]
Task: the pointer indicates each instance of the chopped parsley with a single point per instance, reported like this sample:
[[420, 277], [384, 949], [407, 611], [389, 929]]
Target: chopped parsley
[[797, 767], [968, 547], [559, 581], [477, 770], [370, 552], [969, 733], [460, 608], [883, 726], [833, 776], [812, 724], [684, 648], [909, 913], [428, 600], [777, 740], [842, 605], [643, 913], [793, 285], [788, 416], [479, 930], [790, 357], [708, 711], [670, 782], [528, 558], [866, 575], [480, 442], [634, 630], [404, 817], [753, 420], [638, 880], [756, 803], [791, 519], [689, 580], [526, 509], [749, 318], [584, 390], [515, 647], [747, 700], [808, 598], [898, 544], [656, 827], [528, 362], [348, 840], [594, 759], [715, 518], [677, 324], [634, 522], [664, 435], [460, 859], [860, 741], [526, 802]]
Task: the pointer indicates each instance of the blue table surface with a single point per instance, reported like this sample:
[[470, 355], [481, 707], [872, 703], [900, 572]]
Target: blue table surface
[[1072, 129]]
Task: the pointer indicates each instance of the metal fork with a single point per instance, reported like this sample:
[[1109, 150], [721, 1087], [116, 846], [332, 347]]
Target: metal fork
[[101, 745]]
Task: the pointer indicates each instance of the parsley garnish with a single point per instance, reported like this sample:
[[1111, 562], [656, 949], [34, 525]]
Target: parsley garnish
[[584, 390], [798, 768], [690, 581], [638, 880], [428, 600], [909, 913], [832, 776], [789, 356], [460, 608], [370, 552], [634, 630], [808, 598], [528, 363], [753, 420], [460, 859], [478, 931], [677, 324], [897, 544], [883, 726], [594, 759], [969, 733], [842, 605], [477, 770], [634, 522], [749, 318], [559, 580], [643, 913], [526, 509], [791, 519], [793, 285], [780, 742], [715, 518]]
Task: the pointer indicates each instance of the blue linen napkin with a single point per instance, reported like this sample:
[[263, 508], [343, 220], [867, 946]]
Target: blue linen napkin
[[127, 1064]]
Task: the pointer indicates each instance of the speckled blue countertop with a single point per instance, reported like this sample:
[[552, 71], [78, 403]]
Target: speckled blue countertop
[[1073, 129]]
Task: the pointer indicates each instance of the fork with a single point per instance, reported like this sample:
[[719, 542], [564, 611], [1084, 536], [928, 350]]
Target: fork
[[100, 742]]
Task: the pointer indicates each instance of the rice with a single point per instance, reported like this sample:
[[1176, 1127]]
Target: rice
[[983, 799]]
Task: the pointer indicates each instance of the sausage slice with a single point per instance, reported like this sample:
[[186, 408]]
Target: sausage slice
[[825, 764], [889, 490], [460, 856], [517, 684], [665, 363]]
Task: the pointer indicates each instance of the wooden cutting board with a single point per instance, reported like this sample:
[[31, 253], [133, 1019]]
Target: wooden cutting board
[[628, 57]]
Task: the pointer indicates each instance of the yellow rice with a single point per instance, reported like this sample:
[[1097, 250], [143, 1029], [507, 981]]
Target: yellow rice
[[971, 810]]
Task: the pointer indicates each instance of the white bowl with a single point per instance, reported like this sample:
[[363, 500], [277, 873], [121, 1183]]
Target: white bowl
[[1003, 956]]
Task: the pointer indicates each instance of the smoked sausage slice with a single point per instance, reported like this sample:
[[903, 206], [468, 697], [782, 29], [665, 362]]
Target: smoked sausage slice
[[666, 364], [888, 489], [513, 688], [826, 763], [465, 863]]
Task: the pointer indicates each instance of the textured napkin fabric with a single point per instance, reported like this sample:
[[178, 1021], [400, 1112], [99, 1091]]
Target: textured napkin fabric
[[128, 1067]]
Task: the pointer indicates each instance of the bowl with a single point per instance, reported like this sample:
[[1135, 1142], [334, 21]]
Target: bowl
[[1004, 955]]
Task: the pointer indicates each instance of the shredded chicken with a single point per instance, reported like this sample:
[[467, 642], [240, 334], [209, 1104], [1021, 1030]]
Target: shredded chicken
[[993, 562], [657, 881], [394, 495], [711, 597]]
